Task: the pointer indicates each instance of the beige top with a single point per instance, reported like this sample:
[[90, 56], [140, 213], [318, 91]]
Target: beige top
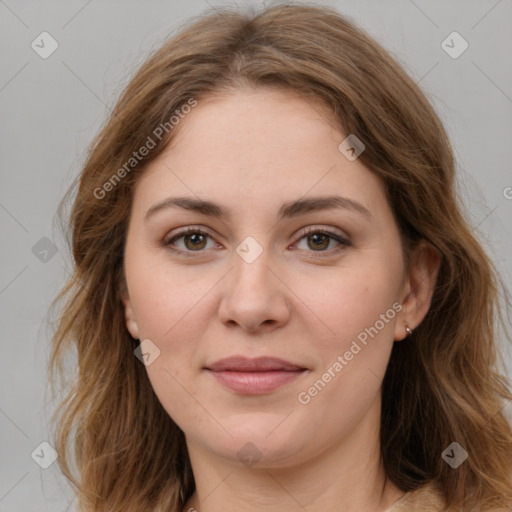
[[424, 499]]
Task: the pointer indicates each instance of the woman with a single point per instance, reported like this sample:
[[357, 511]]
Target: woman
[[277, 303]]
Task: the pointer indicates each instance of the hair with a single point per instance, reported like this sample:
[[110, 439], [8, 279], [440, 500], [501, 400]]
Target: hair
[[117, 445]]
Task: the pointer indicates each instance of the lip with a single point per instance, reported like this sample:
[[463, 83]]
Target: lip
[[257, 364], [254, 376]]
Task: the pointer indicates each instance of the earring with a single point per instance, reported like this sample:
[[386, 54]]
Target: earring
[[409, 331]]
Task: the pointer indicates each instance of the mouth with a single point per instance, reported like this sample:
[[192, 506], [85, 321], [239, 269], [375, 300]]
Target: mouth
[[254, 376]]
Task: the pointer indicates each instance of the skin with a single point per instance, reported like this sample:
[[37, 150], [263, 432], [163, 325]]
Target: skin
[[253, 150]]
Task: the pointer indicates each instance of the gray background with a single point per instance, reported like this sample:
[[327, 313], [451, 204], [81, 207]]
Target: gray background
[[51, 108]]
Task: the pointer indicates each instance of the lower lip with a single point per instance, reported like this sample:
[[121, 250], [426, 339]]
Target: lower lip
[[255, 383]]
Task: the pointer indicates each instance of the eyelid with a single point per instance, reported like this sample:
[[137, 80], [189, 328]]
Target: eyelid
[[166, 242], [186, 230], [342, 239], [326, 231]]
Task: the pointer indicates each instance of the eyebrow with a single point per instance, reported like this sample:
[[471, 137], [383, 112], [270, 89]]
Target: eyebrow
[[287, 210]]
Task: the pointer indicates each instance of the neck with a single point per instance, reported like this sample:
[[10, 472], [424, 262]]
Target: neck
[[348, 476]]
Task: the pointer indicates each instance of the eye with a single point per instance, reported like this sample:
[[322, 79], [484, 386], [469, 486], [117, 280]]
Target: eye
[[319, 239], [194, 240]]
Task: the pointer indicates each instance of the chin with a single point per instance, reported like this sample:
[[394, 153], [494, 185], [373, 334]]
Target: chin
[[261, 445]]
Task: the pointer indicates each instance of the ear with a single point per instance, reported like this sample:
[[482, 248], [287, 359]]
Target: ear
[[129, 315], [418, 288]]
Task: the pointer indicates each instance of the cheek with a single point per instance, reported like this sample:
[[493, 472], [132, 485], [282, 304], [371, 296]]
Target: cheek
[[353, 360], [165, 296], [337, 311], [352, 301], [170, 306], [174, 321], [175, 306], [358, 308]]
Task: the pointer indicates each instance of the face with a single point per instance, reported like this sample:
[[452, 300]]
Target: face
[[265, 271]]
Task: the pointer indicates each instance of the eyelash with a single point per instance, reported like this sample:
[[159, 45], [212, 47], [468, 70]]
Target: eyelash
[[343, 242]]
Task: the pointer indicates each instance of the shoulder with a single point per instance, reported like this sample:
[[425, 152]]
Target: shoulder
[[427, 498]]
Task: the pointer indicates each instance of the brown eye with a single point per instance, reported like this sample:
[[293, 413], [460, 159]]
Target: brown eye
[[194, 240], [319, 240]]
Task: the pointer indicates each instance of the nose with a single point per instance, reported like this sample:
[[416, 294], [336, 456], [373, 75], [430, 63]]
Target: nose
[[254, 297]]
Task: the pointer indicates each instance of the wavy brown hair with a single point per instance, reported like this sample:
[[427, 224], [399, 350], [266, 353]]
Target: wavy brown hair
[[117, 445]]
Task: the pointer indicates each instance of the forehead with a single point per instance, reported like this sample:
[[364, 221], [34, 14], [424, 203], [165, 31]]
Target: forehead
[[259, 145], [240, 119]]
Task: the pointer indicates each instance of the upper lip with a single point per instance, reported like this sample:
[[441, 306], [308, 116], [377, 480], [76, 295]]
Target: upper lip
[[258, 364]]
